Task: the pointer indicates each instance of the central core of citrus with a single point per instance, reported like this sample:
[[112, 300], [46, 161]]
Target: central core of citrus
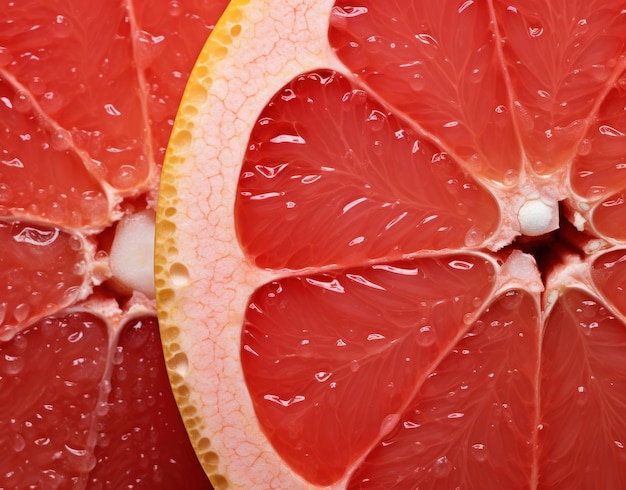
[[538, 217]]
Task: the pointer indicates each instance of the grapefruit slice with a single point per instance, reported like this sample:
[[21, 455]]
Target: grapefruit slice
[[88, 95], [389, 246]]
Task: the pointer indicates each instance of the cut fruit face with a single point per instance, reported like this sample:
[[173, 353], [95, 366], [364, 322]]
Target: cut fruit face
[[88, 94], [390, 242]]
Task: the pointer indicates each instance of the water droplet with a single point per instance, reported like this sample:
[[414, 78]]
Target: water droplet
[[511, 299], [37, 86], [474, 237], [621, 82], [6, 194], [323, 376], [442, 467], [479, 452], [70, 295], [601, 73], [75, 243], [476, 75], [19, 344], [583, 396], [149, 47], [377, 147], [417, 82], [584, 147], [7, 333], [60, 139], [479, 327], [358, 97], [175, 9], [118, 355], [539, 167], [11, 365], [94, 204], [476, 163], [461, 265], [375, 121], [21, 312], [19, 443], [5, 56], [535, 31], [54, 212], [428, 45], [419, 447], [51, 102], [125, 177], [610, 131], [389, 423], [61, 27], [510, 177], [22, 102], [135, 335], [354, 365], [468, 318], [102, 409], [582, 27], [75, 337], [426, 336], [596, 192]]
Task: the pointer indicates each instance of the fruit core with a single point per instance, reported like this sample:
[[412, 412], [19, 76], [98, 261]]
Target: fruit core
[[537, 217]]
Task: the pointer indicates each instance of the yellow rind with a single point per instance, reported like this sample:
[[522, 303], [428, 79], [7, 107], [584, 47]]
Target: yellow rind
[[202, 279]]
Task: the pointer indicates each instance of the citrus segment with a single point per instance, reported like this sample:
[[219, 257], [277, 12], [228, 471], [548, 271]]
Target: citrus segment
[[597, 174], [40, 176], [47, 435], [42, 270], [138, 442], [439, 65], [608, 217], [583, 387], [326, 156], [475, 417], [356, 344], [73, 80], [599, 166], [608, 272], [561, 61]]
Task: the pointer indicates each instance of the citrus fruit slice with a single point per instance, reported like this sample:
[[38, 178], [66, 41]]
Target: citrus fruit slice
[[390, 246], [88, 95]]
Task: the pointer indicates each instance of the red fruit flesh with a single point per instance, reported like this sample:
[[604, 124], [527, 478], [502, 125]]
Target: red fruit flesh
[[583, 393], [331, 177], [448, 104], [475, 407], [139, 442], [88, 95], [351, 349]]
